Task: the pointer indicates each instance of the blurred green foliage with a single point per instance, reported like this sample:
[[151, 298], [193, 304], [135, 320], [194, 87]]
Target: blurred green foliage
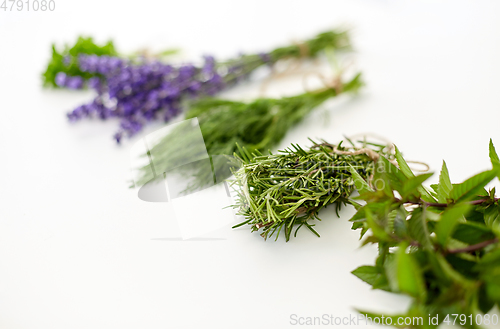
[[66, 60]]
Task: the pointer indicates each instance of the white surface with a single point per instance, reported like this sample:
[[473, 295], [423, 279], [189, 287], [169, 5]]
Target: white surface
[[80, 250]]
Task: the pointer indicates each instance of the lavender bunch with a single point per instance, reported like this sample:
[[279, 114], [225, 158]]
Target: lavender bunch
[[140, 91]]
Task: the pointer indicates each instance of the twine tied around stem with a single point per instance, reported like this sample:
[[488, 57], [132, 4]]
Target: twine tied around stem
[[374, 156], [294, 66], [304, 50]]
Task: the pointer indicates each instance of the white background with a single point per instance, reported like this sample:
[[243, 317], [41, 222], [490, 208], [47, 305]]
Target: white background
[[80, 250]]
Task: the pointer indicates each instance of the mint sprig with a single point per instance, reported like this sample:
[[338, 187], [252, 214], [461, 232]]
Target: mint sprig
[[440, 247]]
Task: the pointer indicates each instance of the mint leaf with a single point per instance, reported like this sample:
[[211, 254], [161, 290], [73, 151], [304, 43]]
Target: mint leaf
[[484, 302], [472, 233], [369, 274], [400, 223], [489, 260], [409, 276], [417, 226], [449, 219], [405, 169], [377, 230], [472, 187], [444, 188], [411, 186], [403, 166], [492, 217], [388, 177], [493, 288], [495, 161], [360, 183]]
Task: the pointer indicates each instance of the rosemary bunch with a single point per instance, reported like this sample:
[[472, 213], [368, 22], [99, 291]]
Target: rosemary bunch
[[279, 191], [439, 246], [224, 124]]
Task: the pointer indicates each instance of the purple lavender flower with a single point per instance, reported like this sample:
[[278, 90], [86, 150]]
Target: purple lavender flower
[[94, 83], [61, 79], [64, 80], [139, 93], [100, 64]]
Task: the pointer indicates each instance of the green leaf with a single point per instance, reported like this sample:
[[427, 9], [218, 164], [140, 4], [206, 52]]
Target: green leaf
[[489, 260], [475, 215], [492, 193], [390, 267], [472, 233], [369, 274], [409, 276], [484, 302], [493, 288], [444, 228], [381, 283], [360, 183], [437, 268], [495, 161], [444, 187], [413, 184], [463, 264], [405, 169], [387, 177], [394, 174], [448, 270], [492, 217], [377, 230], [400, 223], [418, 230], [403, 166], [472, 187]]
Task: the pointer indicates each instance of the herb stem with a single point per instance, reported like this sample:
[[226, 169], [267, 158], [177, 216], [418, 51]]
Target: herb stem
[[473, 247], [444, 205]]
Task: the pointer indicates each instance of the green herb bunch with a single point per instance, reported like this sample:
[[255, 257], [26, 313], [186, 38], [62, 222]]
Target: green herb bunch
[[66, 60], [439, 246], [335, 39], [255, 126], [278, 192]]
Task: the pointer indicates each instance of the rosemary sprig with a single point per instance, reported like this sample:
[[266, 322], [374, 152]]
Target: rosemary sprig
[[278, 192], [224, 124]]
